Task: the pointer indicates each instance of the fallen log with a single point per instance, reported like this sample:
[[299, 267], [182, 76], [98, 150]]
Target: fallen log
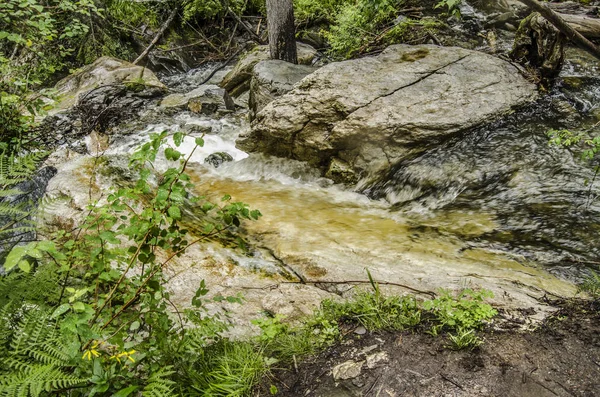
[[566, 29], [589, 27]]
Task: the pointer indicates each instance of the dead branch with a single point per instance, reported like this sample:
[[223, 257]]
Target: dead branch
[[246, 27], [162, 30]]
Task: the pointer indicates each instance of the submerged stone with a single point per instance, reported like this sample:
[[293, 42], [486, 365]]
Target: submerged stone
[[217, 159]]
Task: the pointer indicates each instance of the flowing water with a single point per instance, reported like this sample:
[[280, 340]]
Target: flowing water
[[497, 207]]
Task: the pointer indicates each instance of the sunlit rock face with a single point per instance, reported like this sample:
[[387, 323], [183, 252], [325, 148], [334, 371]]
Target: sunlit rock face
[[371, 113]]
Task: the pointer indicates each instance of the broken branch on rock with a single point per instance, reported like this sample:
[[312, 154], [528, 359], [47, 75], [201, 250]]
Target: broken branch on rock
[[569, 31], [160, 33]]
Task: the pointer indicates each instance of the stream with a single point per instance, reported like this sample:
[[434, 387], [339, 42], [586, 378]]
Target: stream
[[497, 208]]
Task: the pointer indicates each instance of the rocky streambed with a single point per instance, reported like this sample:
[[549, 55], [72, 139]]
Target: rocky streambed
[[429, 166]]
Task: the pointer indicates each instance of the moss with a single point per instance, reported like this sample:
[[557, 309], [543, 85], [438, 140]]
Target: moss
[[415, 55]]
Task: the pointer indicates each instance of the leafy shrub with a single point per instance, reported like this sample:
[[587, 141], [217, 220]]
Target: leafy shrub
[[356, 25], [95, 325]]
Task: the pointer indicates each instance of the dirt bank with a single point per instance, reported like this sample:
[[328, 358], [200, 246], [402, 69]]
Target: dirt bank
[[560, 358]]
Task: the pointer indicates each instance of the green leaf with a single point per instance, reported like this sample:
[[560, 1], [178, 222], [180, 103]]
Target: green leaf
[[200, 142], [178, 138], [172, 154], [78, 307], [25, 266], [174, 212], [33, 249], [134, 326], [62, 309]]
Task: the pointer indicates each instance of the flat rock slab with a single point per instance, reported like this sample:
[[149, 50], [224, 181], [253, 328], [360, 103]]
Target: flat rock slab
[[368, 114]]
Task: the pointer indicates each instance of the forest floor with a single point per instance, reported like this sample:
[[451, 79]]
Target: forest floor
[[561, 357]]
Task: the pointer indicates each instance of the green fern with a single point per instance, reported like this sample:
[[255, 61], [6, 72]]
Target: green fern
[[35, 356], [159, 384], [16, 215], [15, 169]]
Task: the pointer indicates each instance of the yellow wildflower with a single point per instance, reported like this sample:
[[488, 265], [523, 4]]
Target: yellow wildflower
[[123, 355], [87, 355]]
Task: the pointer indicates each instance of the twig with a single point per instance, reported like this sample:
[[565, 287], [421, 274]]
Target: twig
[[430, 293], [452, 381], [246, 27], [373, 385], [221, 66], [162, 30], [181, 47]]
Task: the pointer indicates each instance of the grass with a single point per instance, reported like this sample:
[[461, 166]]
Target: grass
[[233, 368]]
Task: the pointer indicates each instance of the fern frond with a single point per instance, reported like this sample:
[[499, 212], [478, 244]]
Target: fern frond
[[15, 169], [159, 384], [10, 192], [35, 380], [12, 209]]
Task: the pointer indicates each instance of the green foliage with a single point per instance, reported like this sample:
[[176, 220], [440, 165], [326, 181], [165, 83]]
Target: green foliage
[[374, 311], [567, 138], [451, 6], [467, 310], [357, 25], [36, 37], [36, 357], [306, 11], [231, 369], [211, 9], [94, 325], [461, 316], [16, 211], [464, 339]]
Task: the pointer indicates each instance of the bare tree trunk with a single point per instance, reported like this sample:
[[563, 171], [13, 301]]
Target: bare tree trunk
[[282, 31]]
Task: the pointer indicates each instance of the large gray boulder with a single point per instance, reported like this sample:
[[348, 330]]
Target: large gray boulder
[[271, 79], [237, 81], [102, 72], [363, 116]]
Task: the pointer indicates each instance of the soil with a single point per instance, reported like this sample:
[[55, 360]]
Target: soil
[[560, 358]]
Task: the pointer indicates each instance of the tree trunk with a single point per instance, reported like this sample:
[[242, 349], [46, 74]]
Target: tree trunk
[[282, 31]]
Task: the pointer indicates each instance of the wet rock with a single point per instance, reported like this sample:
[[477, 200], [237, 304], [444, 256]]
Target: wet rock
[[271, 79], [104, 108], [104, 71], [360, 330], [198, 129], [372, 113], [341, 172], [217, 159], [294, 301], [347, 370], [206, 99], [237, 81], [501, 20]]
